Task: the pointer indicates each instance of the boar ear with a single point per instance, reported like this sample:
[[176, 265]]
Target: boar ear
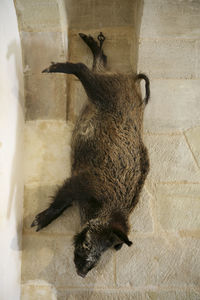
[[122, 236]]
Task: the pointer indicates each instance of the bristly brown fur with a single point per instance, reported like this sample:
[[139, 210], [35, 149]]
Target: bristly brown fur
[[109, 160]]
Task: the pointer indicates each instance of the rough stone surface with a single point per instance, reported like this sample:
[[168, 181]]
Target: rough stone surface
[[141, 219], [38, 289], [99, 295], [171, 19], [37, 199], [179, 263], [174, 106], [38, 258], [50, 258], [197, 66], [129, 295], [45, 97], [167, 58], [178, 208], [38, 15], [173, 295], [193, 138], [163, 262], [137, 265], [47, 152], [97, 14], [40, 49], [171, 159]]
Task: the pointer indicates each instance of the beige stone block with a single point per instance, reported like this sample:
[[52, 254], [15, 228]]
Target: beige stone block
[[47, 152], [161, 262], [40, 49], [38, 256], [192, 295], [179, 263], [120, 51], [46, 97], [183, 294], [37, 199], [173, 295], [174, 106], [51, 259], [100, 295], [38, 15], [87, 14], [141, 219], [167, 58], [171, 159], [137, 265], [188, 190], [197, 59], [178, 207], [119, 47], [193, 138], [38, 289], [170, 19]]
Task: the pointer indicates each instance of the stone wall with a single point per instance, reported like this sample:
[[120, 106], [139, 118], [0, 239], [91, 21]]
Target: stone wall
[[164, 261], [169, 54]]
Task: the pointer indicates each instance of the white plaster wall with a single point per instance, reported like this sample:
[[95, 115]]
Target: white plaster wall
[[11, 152]]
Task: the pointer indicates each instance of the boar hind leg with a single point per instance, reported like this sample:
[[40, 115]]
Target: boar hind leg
[[99, 58], [62, 199], [92, 44]]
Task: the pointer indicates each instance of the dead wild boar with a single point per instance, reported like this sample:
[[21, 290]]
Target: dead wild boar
[[109, 160]]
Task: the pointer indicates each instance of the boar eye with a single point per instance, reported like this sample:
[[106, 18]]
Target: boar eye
[[85, 245]]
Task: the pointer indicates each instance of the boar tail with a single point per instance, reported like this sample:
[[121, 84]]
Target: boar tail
[[147, 86]]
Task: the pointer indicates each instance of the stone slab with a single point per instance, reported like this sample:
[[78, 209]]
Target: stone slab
[[197, 59], [100, 295], [170, 19], [159, 262], [87, 14], [171, 159], [167, 58], [178, 207], [38, 289], [174, 106], [46, 97], [40, 49], [47, 152], [188, 294], [38, 15], [193, 138]]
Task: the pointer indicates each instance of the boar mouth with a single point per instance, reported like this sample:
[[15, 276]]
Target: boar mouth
[[82, 274]]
